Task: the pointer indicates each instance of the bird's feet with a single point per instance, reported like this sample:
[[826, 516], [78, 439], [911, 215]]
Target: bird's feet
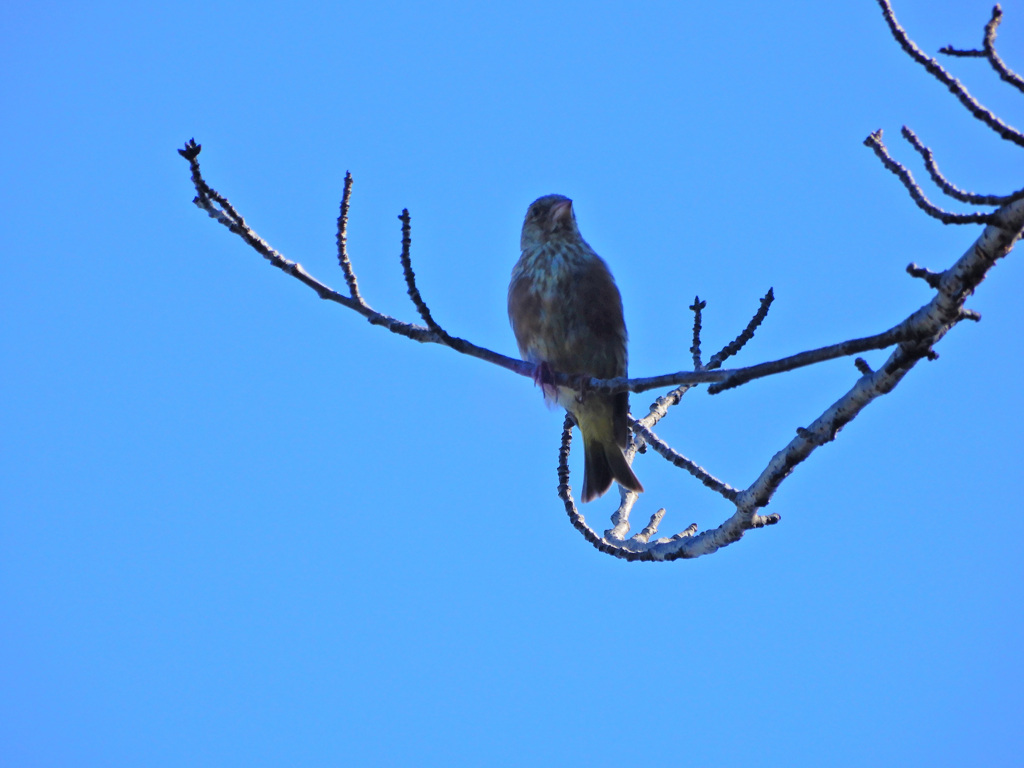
[[581, 383], [544, 377]]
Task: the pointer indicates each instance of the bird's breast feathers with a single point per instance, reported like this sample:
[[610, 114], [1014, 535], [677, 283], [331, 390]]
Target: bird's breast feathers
[[566, 310]]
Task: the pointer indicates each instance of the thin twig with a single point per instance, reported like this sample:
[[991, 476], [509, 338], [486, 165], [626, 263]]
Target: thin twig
[[636, 548], [652, 527], [697, 307], [961, 53], [205, 191], [874, 141], [727, 378], [989, 52], [746, 335], [410, 278], [882, 340], [343, 261], [220, 209], [932, 278], [930, 323], [709, 480], [955, 86], [642, 429], [659, 408], [942, 183]]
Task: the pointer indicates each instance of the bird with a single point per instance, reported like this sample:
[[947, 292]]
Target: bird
[[566, 314]]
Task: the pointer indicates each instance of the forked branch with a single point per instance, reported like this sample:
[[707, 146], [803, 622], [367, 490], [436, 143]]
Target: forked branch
[[1007, 132], [220, 209], [988, 51], [913, 338], [955, 87], [944, 184]]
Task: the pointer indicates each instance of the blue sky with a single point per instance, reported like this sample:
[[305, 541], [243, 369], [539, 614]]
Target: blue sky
[[240, 526]]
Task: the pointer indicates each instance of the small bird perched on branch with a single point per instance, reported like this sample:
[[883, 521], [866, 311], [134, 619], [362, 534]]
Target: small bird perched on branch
[[566, 314]]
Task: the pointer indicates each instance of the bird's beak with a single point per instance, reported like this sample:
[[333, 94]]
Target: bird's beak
[[561, 212]]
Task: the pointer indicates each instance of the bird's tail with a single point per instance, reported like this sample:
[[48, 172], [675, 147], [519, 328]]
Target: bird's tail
[[603, 461]]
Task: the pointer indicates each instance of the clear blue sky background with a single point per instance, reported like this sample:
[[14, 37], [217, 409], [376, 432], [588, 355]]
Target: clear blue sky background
[[242, 527]]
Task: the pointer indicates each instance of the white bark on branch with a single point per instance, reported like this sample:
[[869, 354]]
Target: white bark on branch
[[928, 324], [913, 338]]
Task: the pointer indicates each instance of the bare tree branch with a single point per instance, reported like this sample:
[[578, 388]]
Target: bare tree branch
[[638, 547], [955, 86], [894, 335], [988, 51], [913, 338], [710, 481], [343, 261], [697, 307], [746, 335], [410, 279], [932, 278], [930, 323], [642, 433], [948, 188], [875, 142], [220, 209]]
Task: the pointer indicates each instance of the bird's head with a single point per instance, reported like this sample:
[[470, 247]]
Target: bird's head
[[548, 218]]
